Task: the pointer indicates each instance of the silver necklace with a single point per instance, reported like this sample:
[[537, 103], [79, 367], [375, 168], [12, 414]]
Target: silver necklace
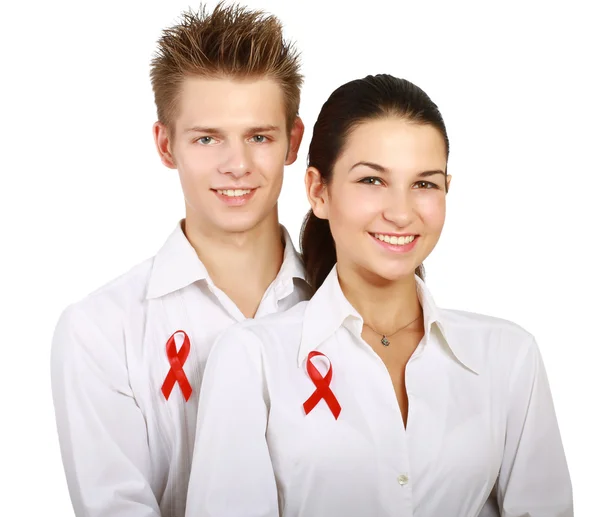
[[384, 337]]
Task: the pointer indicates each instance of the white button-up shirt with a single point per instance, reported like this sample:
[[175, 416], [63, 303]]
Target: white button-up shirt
[[127, 449], [482, 438]]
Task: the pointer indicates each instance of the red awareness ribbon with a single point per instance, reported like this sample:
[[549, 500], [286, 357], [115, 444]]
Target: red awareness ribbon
[[176, 373], [323, 390]]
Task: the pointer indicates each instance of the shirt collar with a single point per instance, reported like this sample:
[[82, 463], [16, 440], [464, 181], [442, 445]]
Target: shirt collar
[[452, 332], [176, 265], [329, 309], [292, 266]]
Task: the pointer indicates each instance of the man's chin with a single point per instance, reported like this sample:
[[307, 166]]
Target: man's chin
[[240, 223]]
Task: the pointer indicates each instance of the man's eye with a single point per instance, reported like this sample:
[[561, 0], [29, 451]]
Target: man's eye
[[205, 140], [259, 139]]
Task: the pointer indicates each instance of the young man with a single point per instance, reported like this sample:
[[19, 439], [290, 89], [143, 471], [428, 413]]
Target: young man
[[127, 360]]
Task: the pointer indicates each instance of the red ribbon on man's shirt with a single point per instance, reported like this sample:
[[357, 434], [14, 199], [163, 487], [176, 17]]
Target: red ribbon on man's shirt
[[323, 390], [176, 373]]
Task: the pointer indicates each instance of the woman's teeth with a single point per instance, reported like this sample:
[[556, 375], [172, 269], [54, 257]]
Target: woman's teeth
[[392, 239]]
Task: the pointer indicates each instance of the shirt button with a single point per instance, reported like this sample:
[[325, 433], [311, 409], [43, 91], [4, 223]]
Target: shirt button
[[402, 479]]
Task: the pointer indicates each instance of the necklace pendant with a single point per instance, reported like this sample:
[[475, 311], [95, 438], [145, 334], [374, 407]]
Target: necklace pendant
[[385, 341]]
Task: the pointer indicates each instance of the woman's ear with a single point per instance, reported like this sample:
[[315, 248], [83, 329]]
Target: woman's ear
[[316, 191]]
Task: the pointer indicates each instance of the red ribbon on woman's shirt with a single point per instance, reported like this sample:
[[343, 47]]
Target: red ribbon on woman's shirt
[[323, 390]]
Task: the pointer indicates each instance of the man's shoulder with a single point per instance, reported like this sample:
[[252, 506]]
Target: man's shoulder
[[115, 298]]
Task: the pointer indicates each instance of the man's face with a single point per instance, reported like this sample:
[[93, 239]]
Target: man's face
[[229, 144]]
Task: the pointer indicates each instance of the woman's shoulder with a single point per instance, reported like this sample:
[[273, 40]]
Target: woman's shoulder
[[485, 335], [278, 326], [478, 322], [265, 334]]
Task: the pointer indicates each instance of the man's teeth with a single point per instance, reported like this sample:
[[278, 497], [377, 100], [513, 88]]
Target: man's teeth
[[234, 193], [400, 241]]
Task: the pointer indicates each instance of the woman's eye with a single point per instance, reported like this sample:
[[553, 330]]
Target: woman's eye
[[426, 184], [371, 181]]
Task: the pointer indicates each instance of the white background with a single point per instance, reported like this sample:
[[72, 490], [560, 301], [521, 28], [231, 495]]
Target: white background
[[83, 196]]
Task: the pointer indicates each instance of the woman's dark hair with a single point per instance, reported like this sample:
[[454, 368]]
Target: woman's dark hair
[[351, 104]]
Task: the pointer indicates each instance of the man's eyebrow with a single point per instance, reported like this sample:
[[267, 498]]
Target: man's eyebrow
[[214, 130], [263, 129], [203, 129]]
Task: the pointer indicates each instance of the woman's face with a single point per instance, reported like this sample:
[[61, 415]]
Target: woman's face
[[386, 201]]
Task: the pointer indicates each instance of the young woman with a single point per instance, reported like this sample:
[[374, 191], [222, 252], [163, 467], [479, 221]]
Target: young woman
[[369, 400]]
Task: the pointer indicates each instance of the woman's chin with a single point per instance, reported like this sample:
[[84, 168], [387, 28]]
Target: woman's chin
[[389, 273]]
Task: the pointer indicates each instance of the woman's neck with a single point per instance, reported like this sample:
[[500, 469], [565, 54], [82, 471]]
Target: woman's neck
[[384, 306]]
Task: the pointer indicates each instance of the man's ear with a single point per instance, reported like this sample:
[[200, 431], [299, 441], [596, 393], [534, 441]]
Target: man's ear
[[295, 140], [316, 191], [162, 139]]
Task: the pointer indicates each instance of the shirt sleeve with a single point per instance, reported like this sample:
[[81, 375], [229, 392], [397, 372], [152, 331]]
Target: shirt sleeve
[[232, 474], [101, 430], [534, 479]]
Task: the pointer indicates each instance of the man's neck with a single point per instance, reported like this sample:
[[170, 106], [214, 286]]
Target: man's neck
[[242, 265]]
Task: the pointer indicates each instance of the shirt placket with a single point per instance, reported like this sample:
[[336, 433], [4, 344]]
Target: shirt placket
[[396, 454], [395, 483]]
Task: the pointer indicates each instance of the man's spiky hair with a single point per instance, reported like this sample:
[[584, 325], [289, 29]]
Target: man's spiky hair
[[232, 41]]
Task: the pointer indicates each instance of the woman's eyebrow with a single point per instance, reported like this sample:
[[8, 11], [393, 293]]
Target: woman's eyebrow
[[383, 170], [374, 166], [426, 174]]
